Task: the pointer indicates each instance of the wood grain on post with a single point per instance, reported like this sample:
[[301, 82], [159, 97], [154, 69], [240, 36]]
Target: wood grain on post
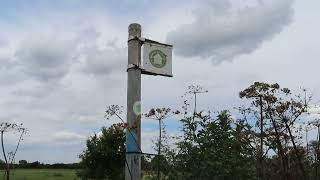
[[133, 139]]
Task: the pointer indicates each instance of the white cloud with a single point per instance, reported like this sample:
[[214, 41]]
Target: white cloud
[[65, 136], [3, 42], [221, 32], [314, 109], [104, 61], [147, 139], [45, 59], [73, 97], [50, 81]]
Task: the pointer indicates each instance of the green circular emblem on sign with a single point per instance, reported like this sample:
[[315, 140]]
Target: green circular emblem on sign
[[157, 58]]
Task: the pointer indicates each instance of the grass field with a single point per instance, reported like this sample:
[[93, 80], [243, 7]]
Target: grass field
[[42, 174]]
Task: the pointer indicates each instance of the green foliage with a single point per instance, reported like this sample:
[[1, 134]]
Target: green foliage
[[104, 157], [211, 149], [265, 143]]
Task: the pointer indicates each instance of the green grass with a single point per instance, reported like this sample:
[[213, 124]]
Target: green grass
[[42, 174]]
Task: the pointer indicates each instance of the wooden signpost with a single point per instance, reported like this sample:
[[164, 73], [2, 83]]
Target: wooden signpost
[[157, 60]]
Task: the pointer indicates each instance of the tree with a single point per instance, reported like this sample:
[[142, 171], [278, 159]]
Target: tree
[[212, 149], [315, 146], [281, 111], [160, 161], [104, 157], [264, 143], [9, 157]]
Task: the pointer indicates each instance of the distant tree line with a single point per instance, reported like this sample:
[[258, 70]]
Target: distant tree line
[[37, 165]]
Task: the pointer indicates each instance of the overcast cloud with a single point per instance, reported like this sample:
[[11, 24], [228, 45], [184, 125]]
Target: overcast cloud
[[63, 63], [221, 31], [45, 58]]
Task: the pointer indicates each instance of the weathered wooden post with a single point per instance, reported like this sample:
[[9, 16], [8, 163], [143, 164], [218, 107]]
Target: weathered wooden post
[[133, 135], [157, 60]]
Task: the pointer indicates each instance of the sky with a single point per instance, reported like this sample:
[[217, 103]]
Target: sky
[[63, 62]]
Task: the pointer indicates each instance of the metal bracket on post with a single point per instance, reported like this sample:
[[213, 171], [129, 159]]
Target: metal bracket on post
[[134, 66], [142, 40]]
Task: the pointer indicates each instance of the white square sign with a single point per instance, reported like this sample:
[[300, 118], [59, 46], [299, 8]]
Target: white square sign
[[157, 59]]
